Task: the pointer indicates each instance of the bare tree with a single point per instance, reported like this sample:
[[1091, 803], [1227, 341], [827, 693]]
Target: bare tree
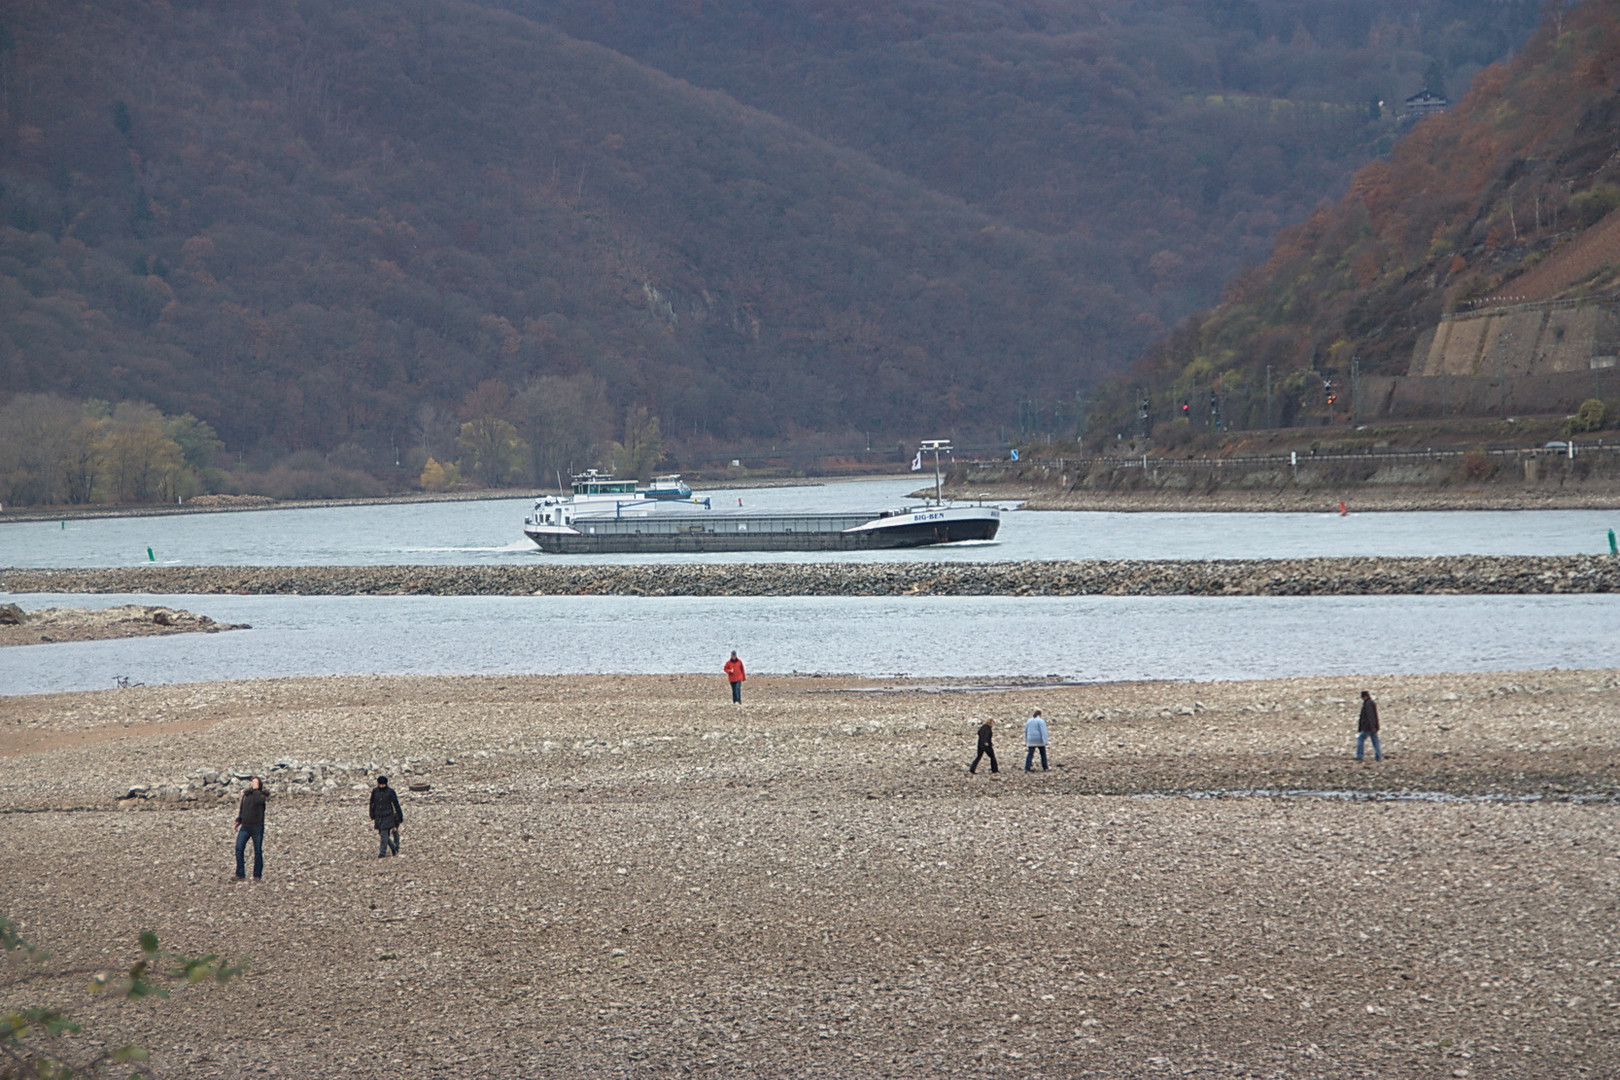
[[562, 420]]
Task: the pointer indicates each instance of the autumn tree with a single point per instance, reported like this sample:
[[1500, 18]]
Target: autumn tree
[[437, 477], [643, 444], [47, 451], [140, 462], [561, 419], [492, 452]]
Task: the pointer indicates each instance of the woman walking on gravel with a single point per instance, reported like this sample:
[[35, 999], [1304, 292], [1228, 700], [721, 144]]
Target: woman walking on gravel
[[986, 749], [386, 816]]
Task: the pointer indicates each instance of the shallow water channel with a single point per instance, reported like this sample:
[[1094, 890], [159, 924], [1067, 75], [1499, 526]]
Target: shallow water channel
[[1080, 638]]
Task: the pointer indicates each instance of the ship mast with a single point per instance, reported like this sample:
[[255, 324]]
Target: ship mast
[[936, 445]]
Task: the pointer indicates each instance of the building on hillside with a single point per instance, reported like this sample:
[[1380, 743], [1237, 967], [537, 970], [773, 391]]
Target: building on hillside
[[1423, 103]]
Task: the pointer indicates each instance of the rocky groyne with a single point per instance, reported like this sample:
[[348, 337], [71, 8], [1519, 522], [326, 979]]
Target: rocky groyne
[[1463, 574]]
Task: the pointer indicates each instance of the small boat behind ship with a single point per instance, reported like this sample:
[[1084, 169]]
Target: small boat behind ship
[[667, 489], [605, 518]]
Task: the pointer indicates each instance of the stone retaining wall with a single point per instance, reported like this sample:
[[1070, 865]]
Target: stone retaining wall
[[211, 785], [1215, 577]]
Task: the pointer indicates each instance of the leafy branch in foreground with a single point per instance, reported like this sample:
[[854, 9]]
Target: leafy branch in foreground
[[35, 1040]]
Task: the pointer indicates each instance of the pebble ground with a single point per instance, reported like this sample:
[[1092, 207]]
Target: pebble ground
[[633, 877]]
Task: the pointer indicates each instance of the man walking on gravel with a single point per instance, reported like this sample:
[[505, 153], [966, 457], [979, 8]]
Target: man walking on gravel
[[250, 826], [386, 816], [986, 749], [1367, 727], [1034, 739], [735, 675]]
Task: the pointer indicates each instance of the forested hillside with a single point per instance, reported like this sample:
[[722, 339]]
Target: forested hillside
[[1467, 203], [348, 227], [302, 222], [1165, 142]]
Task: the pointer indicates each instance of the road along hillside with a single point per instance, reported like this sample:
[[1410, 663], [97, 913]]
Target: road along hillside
[[1362, 576]]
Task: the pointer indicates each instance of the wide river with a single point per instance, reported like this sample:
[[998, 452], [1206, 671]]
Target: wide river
[[491, 532], [1085, 638]]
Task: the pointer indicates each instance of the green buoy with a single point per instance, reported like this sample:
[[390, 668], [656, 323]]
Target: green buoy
[[1612, 549], [149, 556]]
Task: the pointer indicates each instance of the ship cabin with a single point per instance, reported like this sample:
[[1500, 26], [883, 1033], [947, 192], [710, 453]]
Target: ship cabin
[[593, 484]]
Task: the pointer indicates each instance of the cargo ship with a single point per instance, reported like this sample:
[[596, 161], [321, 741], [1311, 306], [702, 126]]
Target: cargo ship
[[605, 516]]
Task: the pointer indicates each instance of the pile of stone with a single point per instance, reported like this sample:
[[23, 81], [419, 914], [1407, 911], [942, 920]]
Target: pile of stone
[[210, 785], [233, 502], [1361, 576]]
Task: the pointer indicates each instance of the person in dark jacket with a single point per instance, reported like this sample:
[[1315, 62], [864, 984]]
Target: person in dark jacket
[[250, 826], [986, 732], [1367, 727], [386, 816]]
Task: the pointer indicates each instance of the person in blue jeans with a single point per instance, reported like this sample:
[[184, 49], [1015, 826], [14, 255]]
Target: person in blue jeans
[[250, 826], [735, 675], [1367, 727], [1034, 739]]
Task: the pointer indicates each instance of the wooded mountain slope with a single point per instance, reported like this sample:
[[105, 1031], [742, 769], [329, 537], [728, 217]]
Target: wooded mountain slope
[[1167, 141], [1465, 208], [319, 223], [301, 221]]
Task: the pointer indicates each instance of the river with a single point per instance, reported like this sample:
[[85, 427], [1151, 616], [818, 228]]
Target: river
[[1084, 638], [491, 532], [1081, 638]]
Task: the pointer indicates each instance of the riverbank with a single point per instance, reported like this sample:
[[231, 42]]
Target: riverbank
[[1361, 576], [1358, 500], [1252, 479], [624, 876], [243, 504]]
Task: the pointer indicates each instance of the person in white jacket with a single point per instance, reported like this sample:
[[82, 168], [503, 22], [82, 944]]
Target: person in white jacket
[[1034, 739]]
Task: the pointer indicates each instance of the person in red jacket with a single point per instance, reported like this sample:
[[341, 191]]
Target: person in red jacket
[[736, 675]]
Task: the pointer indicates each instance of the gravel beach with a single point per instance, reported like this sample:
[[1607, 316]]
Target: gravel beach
[[633, 877]]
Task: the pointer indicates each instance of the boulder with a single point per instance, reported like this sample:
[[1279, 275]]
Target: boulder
[[12, 615]]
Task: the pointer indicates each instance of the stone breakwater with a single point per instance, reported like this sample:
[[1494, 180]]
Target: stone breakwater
[[1216, 577]]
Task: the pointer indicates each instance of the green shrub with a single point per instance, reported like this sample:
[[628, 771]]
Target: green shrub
[[1591, 205], [1589, 417]]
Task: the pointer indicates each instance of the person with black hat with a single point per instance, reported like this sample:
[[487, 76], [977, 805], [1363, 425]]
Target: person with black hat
[[386, 816]]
